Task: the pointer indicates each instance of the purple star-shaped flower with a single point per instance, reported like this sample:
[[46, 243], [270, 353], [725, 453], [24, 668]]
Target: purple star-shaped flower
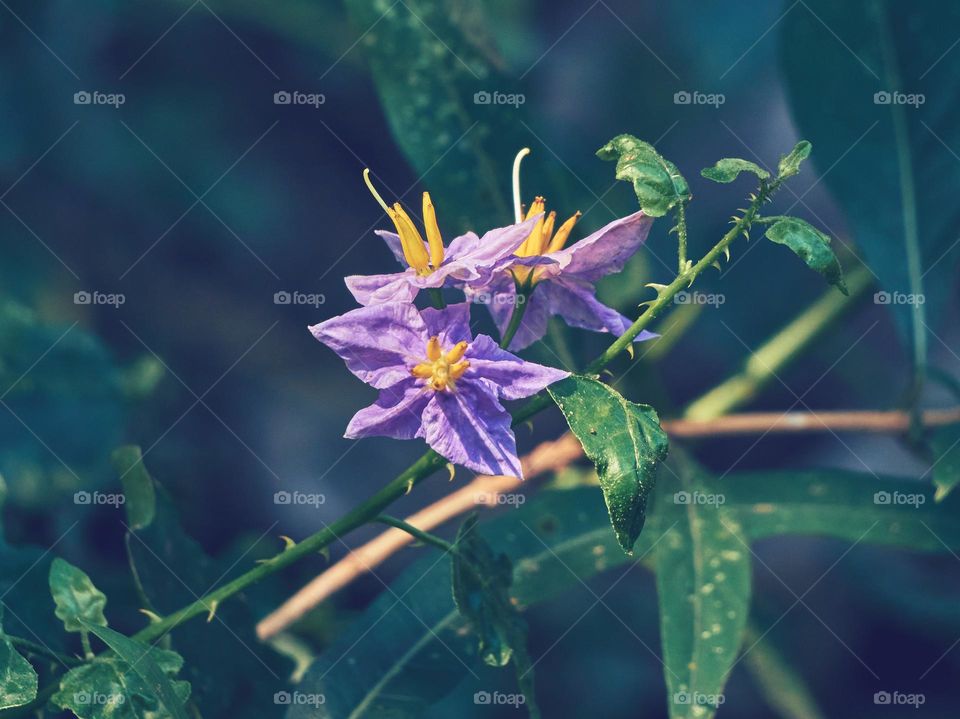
[[436, 381], [563, 280]]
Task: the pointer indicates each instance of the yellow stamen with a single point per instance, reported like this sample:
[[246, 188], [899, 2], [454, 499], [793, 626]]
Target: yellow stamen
[[433, 231], [442, 370], [529, 246], [546, 232], [414, 250], [560, 239], [536, 207]]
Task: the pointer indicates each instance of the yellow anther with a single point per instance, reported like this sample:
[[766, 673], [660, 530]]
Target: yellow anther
[[442, 370], [563, 234], [411, 242], [528, 248], [433, 231], [536, 207]]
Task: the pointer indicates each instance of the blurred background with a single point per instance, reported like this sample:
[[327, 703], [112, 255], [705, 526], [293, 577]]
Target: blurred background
[[181, 196]]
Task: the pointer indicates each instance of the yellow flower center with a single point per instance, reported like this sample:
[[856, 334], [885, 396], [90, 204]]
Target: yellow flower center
[[442, 370], [542, 239], [415, 251]]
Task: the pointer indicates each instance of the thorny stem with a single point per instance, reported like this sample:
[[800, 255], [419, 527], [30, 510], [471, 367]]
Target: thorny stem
[[682, 236], [424, 537], [431, 461]]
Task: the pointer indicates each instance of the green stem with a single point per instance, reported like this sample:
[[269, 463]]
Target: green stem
[[682, 236], [436, 298], [424, 537], [515, 319], [85, 643], [40, 650]]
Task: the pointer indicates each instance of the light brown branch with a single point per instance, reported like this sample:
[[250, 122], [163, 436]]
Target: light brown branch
[[555, 455]]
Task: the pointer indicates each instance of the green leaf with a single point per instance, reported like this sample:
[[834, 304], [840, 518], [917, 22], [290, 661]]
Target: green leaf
[[18, 679], [153, 667], [79, 603], [945, 444], [781, 685], [118, 687], [481, 582], [810, 245], [729, 168], [790, 163], [657, 182], [624, 440], [703, 583], [138, 491], [879, 107]]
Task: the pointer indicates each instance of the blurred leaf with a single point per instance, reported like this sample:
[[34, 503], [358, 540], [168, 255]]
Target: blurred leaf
[[880, 108], [810, 245], [945, 444], [125, 686], [152, 666], [79, 603], [18, 679], [623, 439], [729, 168], [657, 182], [782, 687], [139, 494], [789, 164], [481, 581], [703, 583], [437, 72]]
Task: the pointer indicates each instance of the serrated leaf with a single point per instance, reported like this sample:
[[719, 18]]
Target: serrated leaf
[[657, 182], [790, 163], [78, 601], [138, 490], [811, 246], [18, 679], [153, 666], [624, 440], [729, 168], [703, 583], [945, 444]]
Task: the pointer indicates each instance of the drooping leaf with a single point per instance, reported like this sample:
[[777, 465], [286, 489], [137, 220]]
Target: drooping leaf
[[789, 164], [703, 584], [151, 665], [729, 168], [945, 444], [78, 601], [18, 679], [879, 106], [138, 491], [810, 245], [780, 684], [624, 440], [657, 182], [481, 582], [117, 687]]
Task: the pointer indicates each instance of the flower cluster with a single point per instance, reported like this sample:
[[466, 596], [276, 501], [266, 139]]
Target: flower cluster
[[437, 380]]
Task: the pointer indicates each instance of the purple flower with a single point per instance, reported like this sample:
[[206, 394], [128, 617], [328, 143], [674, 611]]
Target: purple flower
[[430, 264], [436, 381], [560, 281]]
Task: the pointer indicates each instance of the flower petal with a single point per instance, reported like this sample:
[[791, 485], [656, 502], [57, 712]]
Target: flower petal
[[393, 242], [379, 343], [513, 377], [577, 304], [489, 253], [451, 324], [470, 427], [378, 289], [396, 413], [607, 250], [535, 318]]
